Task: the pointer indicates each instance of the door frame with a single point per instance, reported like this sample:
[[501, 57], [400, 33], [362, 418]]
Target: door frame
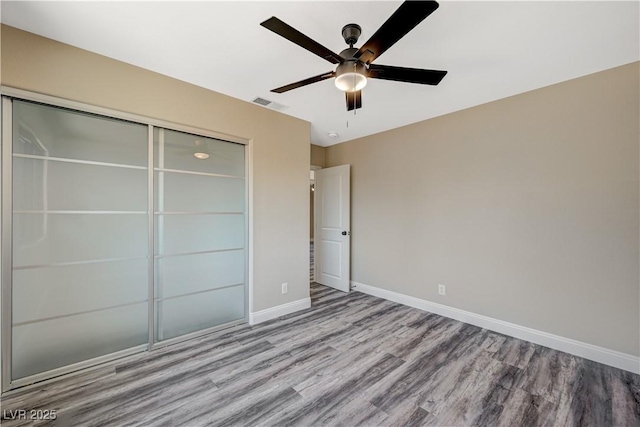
[[6, 218]]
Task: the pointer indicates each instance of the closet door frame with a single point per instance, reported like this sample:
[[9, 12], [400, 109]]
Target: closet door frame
[[6, 184]]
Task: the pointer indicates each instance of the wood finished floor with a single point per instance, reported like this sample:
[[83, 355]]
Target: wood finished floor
[[311, 262], [351, 359]]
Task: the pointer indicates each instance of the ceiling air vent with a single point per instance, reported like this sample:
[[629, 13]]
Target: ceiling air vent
[[262, 101], [269, 104]]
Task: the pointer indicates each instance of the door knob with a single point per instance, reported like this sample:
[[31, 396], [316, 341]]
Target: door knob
[[346, 233]]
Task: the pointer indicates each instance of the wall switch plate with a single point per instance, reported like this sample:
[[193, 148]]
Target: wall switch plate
[[285, 288], [441, 289]]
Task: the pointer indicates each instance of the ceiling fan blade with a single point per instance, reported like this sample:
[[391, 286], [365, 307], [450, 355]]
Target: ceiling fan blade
[[295, 36], [354, 100], [403, 20], [304, 82], [409, 75]]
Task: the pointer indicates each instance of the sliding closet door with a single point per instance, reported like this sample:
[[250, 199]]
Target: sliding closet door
[[200, 233], [80, 252]]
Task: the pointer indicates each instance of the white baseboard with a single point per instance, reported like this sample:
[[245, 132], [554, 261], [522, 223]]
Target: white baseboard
[[280, 310], [603, 355]]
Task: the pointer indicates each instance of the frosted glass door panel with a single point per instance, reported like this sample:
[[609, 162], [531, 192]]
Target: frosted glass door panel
[[42, 346], [195, 273], [178, 152], [192, 313], [54, 132], [80, 280], [51, 185], [41, 293], [198, 233], [50, 238], [198, 193]]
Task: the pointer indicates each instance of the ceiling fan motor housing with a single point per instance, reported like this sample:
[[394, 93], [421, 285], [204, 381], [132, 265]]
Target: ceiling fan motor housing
[[351, 66], [348, 53], [351, 33]]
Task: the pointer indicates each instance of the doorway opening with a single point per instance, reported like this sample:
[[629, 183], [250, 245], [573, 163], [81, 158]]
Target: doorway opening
[[312, 224], [332, 234]]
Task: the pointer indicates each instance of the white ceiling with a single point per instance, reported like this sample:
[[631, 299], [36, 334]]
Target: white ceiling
[[491, 49]]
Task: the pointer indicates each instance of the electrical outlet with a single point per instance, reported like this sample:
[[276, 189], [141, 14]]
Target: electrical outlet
[[285, 288], [441, 289]]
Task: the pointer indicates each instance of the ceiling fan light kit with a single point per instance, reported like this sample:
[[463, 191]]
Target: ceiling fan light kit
[[355, 64], [351, 76]]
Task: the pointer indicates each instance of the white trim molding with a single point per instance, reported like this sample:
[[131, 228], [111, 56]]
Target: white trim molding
[[279, 310], [603, 355]]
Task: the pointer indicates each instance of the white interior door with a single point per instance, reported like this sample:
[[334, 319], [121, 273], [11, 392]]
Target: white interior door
[[333, 221]]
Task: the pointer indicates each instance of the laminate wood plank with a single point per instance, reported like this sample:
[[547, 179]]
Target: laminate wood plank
[[435, 363], [515, 352], [226, 408], [324, 401], [358, 412], [123, 409], [290, 370], [548, 374], [410, 415]]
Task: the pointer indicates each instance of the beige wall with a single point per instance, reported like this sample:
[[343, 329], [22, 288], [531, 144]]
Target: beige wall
[[318, 155], [280, 143], [526, 208]]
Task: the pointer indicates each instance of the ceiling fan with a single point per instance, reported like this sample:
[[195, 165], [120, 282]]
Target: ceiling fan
[[355, 65]]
